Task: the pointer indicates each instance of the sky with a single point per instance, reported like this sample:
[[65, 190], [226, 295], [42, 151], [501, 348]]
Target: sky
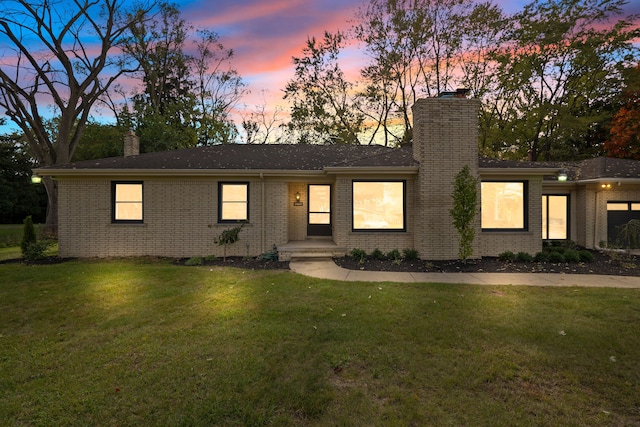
[[266, 34]]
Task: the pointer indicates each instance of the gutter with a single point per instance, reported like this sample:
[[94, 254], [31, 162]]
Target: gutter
[[386, 170], [260, 173], [518, 171]]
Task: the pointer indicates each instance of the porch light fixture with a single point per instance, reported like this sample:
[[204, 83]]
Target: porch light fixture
[[606, 186], [36, 179], [297, 202], [562, 175]]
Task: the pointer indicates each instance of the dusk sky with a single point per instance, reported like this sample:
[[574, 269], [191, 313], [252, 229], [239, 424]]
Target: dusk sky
[[266, 34]]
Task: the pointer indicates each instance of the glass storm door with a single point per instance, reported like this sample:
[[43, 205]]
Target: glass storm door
[[319, 218]]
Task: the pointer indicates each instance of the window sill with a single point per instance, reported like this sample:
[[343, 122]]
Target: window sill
[[372, 232], [505, 232]]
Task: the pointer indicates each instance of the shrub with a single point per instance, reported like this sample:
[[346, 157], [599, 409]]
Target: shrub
[[196, 260], [358, 254], [211, 258], [541, 257], [507, 256], [28, 235], [586, 256], [271, 255], [523, 257], [410, 254], [556, 257], [394, 255], [377, 254], [557, 249], [571, 255], [36, 250]]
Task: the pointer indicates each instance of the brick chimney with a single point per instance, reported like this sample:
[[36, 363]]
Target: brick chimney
[[445, 139], [131, 144]]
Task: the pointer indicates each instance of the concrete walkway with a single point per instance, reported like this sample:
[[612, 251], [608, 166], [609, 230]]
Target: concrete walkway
[[325, 268]]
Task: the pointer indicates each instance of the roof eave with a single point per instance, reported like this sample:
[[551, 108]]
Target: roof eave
[[519, 171], [385, 170], [174, 172]]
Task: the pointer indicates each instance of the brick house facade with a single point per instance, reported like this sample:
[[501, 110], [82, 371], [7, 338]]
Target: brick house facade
[[175, 203]]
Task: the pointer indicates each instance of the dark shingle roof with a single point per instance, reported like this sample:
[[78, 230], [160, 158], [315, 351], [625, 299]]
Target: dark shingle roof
[[596, 168], [487, 162], [302, 157], [606, 167]]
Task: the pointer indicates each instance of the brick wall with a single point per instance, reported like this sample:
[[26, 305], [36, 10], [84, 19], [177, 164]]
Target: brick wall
[[445, 139], [180, 219], [297, 214]]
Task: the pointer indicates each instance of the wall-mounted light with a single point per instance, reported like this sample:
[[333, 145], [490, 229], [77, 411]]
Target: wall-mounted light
[[606, 186], [562, 175], [36, 179], [297, 202]]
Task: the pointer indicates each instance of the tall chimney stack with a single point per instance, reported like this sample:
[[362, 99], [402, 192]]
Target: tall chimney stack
[[131, 144]]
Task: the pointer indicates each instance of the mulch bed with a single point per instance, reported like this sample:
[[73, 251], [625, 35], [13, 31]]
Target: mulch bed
[[617, 264]]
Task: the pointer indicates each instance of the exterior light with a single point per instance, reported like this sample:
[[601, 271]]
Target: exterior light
[[36, 179], [562, 175], [297, 202], [606, 186]]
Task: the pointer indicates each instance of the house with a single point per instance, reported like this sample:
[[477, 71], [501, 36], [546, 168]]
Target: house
[[329, 199]]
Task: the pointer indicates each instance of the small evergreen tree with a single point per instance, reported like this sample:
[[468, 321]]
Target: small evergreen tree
[[28, 235], [465, 204]]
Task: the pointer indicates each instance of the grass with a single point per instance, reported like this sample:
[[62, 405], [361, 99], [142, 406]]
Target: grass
[[10, 235], [143, 342]]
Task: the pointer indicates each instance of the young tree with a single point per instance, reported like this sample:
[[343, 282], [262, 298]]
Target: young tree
[[465, 207], [323, 105], [54, 64]]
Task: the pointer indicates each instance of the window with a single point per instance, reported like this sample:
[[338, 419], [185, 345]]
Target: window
[[233, 201], [504, 205], [555, 217], [379, 205], [127, 202]]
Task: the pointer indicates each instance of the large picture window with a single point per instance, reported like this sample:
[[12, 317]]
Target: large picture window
[[379, 205], [555, 217], [127, 202], [233, 201], [504, 205]]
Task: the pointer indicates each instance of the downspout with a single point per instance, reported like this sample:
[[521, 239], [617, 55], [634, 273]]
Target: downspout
[[595, 222], [263, 228]]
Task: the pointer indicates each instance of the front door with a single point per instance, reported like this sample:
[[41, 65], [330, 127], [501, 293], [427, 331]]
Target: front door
[[319, 218]]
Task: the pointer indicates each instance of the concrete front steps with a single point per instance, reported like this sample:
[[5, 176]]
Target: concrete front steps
[[310, 248]]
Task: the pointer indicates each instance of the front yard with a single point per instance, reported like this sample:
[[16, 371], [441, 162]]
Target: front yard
[[144, 342]]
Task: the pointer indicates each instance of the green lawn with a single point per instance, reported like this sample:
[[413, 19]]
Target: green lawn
[[143, 342], [10, 235]]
